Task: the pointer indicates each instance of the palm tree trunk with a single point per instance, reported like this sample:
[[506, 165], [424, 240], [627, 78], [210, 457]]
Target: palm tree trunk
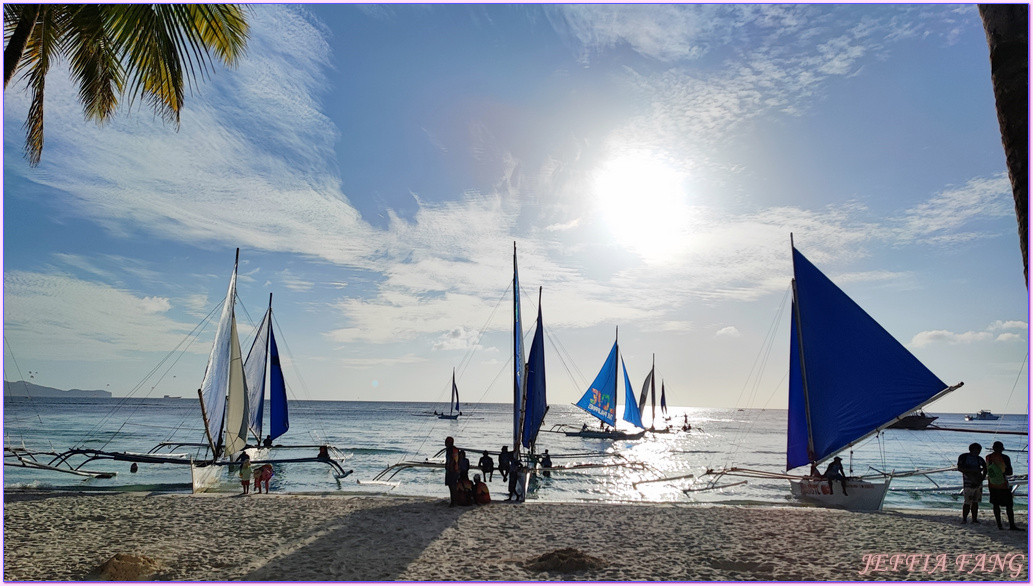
[[16, 45], [1007, 27]]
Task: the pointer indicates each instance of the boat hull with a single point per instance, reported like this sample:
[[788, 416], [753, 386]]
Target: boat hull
[[614, 435], [862, 495], [914, 422]]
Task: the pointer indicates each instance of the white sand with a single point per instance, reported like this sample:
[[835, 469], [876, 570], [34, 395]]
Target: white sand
[[56, 536]]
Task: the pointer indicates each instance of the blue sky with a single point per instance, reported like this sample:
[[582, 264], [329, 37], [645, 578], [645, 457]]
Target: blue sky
[[375, 164]]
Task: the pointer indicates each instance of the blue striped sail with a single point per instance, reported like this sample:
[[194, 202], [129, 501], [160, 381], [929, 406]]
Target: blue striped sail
[[535, 404]]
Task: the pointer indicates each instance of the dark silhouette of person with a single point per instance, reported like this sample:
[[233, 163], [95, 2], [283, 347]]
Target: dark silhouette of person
[[835, 472], [487, 466], [973, 471], [451, 470]]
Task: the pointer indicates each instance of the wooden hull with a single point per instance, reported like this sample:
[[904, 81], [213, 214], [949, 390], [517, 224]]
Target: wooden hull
[[862, 495]]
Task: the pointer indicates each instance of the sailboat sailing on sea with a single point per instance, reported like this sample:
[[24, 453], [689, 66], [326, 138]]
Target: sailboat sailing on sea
[[453, 405], [848, 380], [600, 401]]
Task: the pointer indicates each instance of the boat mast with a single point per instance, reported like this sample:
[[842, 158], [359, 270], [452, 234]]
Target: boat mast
[[652, 391], [616, 371], [803, 363], [519, 368]]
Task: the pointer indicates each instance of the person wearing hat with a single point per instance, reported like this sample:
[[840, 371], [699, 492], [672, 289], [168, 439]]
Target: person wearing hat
[[973, 471], [835, 472], [998, 469]]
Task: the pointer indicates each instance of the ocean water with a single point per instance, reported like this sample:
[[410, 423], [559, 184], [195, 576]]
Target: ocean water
[[373, 436]]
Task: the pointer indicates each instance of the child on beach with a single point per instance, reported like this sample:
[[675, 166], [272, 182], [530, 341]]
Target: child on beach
[[263, 473], [245, 473]]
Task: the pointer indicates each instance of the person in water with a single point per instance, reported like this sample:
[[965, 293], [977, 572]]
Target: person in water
[[487, 466], [835, 472], [451, 470], [998, 469], [546, 463], [973, 471], [481, 496], [245, 473]]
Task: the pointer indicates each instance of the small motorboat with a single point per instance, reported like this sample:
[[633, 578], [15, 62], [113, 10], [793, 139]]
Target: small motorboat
[[982, 416]]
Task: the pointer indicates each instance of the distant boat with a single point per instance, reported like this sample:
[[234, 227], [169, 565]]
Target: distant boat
[[984, 415], [600, 401], [914, 420], [649, 391], [453, 405]]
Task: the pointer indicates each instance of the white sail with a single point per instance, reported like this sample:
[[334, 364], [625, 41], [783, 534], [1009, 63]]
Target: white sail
[[236, 400]]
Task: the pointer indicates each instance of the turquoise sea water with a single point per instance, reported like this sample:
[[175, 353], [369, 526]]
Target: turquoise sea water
[[375, 435]]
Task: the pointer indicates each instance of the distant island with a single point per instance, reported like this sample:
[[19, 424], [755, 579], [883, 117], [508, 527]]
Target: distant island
[[27, 389]]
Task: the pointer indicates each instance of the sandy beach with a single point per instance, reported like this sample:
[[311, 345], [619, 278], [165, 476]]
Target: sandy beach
[[147, 536]]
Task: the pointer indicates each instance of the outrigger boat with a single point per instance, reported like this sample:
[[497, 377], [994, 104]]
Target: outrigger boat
[[228, 410], [600, 401], [849, 379], [529, 409]]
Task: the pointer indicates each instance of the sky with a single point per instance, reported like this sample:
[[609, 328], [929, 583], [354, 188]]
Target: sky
[[376, 163]]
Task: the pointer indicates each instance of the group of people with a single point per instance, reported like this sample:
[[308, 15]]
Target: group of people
[[995, 469], [260, 475], [833, 472], [463, 491]]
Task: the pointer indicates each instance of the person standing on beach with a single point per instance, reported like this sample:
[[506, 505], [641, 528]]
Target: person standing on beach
[[451, 469], [504, 458], [998, 469], [245, 473], [487, 466], [514, 478], [263, 474], [973, 470]]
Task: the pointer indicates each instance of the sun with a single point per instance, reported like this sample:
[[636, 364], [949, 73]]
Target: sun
[[642, 199]]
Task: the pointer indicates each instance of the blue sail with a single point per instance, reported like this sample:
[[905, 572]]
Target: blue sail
[[848, 376], [278, 423], [631, 412], [600, 400], [535, 404]]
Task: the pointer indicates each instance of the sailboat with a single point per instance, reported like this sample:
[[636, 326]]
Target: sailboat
[[453, 406], [649, 391], [600, 401], [529, 400], [265, 356], [848, 380], [228, 409]]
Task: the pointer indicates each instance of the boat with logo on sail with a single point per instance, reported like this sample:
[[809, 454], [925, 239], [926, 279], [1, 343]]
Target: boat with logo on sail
[[600, 401]]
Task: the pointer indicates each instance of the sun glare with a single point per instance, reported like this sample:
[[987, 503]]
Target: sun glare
[[642, 199]]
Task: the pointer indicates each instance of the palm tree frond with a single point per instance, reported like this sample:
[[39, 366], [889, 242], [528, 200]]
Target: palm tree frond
[[93, 62]]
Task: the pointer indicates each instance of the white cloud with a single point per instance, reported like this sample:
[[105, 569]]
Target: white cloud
[[1008, 337], [945, 336], [727, 332], [64, 318], [1008, 325], [941, 218]]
